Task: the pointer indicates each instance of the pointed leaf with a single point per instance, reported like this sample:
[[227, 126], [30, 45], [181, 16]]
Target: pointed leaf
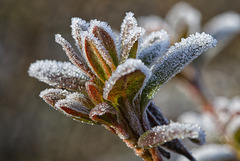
[[130, 44], [51, 96], [59, 74], [127, 81], [72, 55], [104, 34], [173, 62], [78, 26], [96, 56], [165, 133], [129, 36], [153, 47]]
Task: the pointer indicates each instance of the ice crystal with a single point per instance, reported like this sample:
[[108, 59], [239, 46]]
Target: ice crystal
[[113, 84], [165, 133]]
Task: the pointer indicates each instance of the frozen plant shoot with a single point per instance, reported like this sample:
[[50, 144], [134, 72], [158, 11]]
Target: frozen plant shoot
[[111, 82]]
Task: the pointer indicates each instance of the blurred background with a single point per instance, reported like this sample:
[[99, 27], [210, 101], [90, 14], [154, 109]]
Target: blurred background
[[32, 131]]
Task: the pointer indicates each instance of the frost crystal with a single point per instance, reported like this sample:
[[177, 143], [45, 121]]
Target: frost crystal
[[165, 133], [58, 74]]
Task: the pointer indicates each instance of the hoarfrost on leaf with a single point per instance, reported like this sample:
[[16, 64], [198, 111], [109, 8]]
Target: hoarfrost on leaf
[[58, 74], [165, 133]]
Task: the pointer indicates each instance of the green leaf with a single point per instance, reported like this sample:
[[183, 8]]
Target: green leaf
[[94, 58], [126, 82], [108, 42]]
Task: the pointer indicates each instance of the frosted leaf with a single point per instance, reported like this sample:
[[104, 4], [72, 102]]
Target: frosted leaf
[[97, 57], [51, 96], [129, 41], [58, 74], [205, 120], [224, 27], [103, 113], [78, 27], [174, 60], [83, 99], [129, 36], [184, 17], [129, 23], [154, 46], [72, 107], [127, 80], [72, 55], [165, 133], [213, 152], [106, 38]]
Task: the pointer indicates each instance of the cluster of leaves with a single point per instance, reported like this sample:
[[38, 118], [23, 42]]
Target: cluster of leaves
[[112, 83]]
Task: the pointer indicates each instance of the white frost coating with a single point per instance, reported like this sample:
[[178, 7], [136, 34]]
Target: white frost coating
[[51, 96], [128, 42], [212, 152], [106, 27], [102, 109], [72, 104], [165, 133], [60, 74], [176, 58], [101, 49], [72, 55], [224, 26], [129, 66], [78, 25], [154, 46], [183, 13], [129, 23]]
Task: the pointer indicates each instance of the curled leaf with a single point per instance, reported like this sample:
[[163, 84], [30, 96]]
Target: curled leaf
[[127, 81], [74, 109], [103, 113], [51, 96], [83, 99], [59, 74], [165, 133]]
